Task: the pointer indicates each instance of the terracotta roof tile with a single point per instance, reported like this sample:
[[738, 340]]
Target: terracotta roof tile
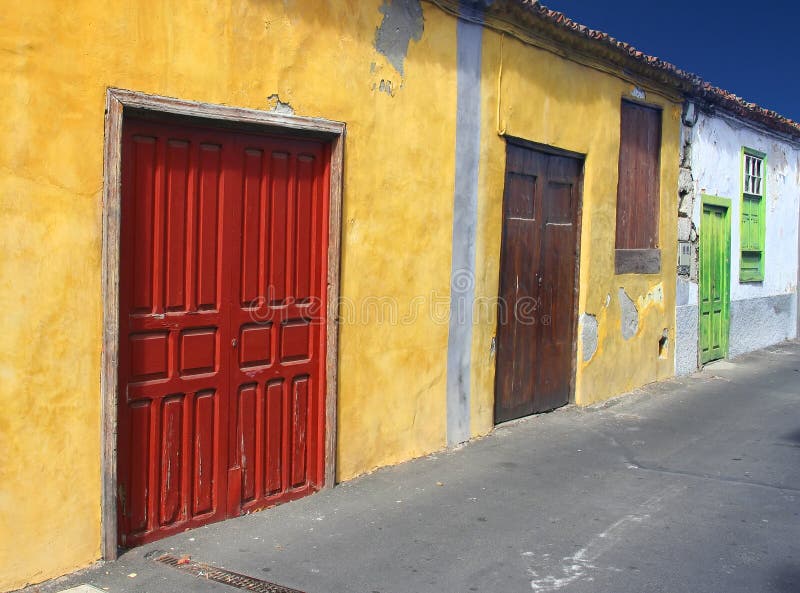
[[690, 84]]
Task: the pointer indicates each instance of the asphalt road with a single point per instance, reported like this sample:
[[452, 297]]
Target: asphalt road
[[692, 485]]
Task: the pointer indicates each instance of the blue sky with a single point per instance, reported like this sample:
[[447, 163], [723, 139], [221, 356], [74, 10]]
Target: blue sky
[[751, 48]]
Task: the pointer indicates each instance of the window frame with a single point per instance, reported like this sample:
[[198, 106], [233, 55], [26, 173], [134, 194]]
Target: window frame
[[748, 275]]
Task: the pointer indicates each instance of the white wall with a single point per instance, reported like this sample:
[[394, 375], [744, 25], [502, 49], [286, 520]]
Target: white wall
[[716, 157], [762, 313]]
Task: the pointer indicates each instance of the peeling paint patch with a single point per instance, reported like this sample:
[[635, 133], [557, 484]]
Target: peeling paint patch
[[588, 335], [629, 315], [402, 22], [386, 87], [275, 104], [385, 79], [654, 295], [638, 93]]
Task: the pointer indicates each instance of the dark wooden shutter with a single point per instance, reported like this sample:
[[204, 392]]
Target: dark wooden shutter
[[639, 172]]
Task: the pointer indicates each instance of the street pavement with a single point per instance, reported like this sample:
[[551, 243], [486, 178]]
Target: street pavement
[[691, 485]]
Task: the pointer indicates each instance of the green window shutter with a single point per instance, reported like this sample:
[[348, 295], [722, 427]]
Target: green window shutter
[[753, 202], [751, 267], [751, 224]]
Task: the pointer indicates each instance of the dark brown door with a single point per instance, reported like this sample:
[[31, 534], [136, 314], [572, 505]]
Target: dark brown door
[[538, 265]]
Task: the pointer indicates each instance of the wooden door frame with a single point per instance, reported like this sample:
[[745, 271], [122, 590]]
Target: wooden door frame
[[554, 151], [723, 203], [123, 103]]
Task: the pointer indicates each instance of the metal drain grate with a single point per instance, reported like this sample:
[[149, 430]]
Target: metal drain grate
[[220, 575]]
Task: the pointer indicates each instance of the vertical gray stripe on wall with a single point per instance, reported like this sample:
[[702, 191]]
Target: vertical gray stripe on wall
[[465, 217]]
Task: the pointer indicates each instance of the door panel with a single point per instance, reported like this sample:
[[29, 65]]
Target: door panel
[[537, 283], [275, 322], [172, 322], [222, 304], [714, 282]]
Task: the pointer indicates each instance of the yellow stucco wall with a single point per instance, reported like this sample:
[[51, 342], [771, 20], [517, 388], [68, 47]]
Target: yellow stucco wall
[[550, 100], [318, 56]]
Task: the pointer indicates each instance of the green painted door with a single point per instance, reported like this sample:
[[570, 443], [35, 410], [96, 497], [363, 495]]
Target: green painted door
[[715, 274]]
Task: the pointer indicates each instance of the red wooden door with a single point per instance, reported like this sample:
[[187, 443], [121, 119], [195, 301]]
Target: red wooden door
[[222, 325], [537, 282], [276, 420]]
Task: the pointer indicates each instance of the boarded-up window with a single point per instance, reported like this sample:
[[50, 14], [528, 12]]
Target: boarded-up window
[[639, 171]]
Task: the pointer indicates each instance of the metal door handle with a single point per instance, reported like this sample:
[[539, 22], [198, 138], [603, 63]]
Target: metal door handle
[[234, 342]]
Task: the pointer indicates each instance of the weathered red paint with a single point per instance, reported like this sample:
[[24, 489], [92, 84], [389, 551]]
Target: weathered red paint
[[222, 333]]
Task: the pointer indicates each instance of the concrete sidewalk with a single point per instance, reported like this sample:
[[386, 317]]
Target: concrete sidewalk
[[692, 485]]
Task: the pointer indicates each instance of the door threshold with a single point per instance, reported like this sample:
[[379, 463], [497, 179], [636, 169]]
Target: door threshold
[[533, 416], [720, 363]]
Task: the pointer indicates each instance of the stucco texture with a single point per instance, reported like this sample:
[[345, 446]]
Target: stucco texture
[[686, 342], [761, 322], [320, 58], [547, 99]]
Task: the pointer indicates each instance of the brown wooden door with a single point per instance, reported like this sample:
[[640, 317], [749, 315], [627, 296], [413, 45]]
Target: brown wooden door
[[222, 333], [538, 265]]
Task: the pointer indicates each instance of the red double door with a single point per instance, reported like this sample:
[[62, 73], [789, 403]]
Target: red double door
[[222, 325]]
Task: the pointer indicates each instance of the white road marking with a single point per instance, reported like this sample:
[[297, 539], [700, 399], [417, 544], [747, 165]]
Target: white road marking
[[582, 563]]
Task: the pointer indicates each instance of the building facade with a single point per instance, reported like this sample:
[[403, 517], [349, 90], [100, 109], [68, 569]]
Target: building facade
[[252, 250], [740, 196]]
